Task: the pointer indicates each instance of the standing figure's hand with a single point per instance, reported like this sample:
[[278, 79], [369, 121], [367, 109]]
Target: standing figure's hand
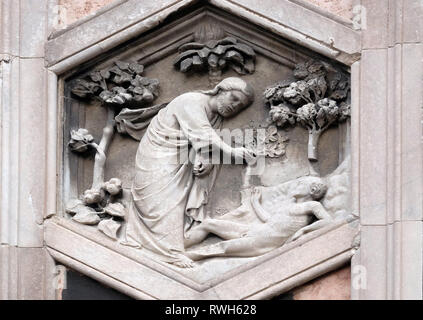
[[200, 169], [245, 154]]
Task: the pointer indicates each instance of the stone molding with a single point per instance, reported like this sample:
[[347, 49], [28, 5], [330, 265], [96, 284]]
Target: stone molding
[[388, 77], [78, 44], [387, 169], [146, 279]]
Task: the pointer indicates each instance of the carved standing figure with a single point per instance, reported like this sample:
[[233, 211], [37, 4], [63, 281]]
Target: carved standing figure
[[169, 191]]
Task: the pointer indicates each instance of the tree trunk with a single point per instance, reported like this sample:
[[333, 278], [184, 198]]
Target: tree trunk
[[313, 141], [100, 157]]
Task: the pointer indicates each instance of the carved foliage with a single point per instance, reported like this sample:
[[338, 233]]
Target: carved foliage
[[213, 52], [100, 207], [316, 101], [216, 55], [119, 84], [275, 143]]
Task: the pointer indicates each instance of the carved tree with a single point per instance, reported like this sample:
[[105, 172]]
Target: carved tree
[[316, 100], [117, 86], [213, 52]]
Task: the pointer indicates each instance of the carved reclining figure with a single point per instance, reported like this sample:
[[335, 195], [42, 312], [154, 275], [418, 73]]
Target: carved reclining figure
[[254, 229]]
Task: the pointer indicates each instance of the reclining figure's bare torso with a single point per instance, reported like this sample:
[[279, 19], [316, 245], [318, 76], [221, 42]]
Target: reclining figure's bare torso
[[251, 230]]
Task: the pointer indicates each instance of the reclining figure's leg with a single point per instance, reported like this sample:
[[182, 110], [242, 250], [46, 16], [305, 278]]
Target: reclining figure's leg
[[224, 229]]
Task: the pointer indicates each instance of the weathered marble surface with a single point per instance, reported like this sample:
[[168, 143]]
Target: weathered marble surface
[[77, 9], [333, 286]]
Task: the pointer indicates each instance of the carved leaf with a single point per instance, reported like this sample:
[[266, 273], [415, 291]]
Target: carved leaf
[[275, 143], [234, 56], [227, 40], [204, 53], [115, 209], [249, 66], [213, 60], [136, 67], [115, 85], [86, 215], [80, 140], [186, 65], [216, 55], [183, 56], [109, 227], [247, 50], [191, 46], [196, 62], [72, 205]]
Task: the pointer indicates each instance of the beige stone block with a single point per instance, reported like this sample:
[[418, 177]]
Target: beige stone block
[[411, 260], [395, 18], [94, 30], [411, 135], [372, 263], [35, 274], [332, 286], [373, 144], [32, 152], [325, 30], [75, 10], [413, 22], [26, 274], [9, 105], [341, 8], [33, 28], [8, 273], [375, 35], [9, 27]]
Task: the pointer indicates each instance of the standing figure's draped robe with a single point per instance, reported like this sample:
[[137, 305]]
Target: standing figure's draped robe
[[166, 194]]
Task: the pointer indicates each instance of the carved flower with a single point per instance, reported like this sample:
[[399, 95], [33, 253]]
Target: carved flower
[[113, 186], [275, 143], [92, 196], [80, 140]]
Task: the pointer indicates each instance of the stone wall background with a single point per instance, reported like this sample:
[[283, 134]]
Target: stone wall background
[[77, 9], [335, 285]]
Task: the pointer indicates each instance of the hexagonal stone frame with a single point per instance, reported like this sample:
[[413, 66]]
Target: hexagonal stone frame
[[275, 272]]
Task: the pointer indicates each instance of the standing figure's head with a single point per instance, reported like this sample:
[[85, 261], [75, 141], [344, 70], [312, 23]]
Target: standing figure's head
[[231, 95]]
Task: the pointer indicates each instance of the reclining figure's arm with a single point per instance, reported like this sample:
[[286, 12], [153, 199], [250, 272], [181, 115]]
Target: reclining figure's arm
[[315, 208], [255, 203]]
